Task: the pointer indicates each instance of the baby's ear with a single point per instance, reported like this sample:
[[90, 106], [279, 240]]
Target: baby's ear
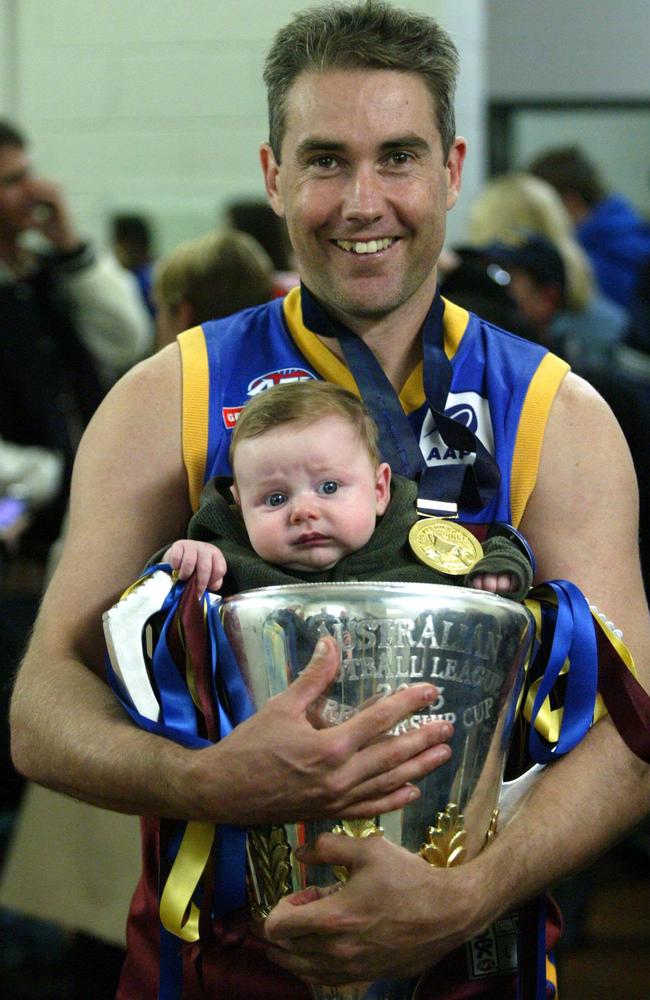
[[235, 494], [382, 487]]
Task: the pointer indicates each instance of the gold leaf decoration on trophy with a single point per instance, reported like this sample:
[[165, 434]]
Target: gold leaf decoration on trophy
[[269, 868], [492, 828], [359, 828], [445, 846]]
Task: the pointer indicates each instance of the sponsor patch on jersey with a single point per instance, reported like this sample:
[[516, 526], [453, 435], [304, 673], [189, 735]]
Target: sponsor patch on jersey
[[495, 951], [278, 377], [261, 383], [467, 408], [230, 416]]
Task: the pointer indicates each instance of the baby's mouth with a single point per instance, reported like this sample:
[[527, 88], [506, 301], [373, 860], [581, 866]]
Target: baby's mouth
[[311, 538]]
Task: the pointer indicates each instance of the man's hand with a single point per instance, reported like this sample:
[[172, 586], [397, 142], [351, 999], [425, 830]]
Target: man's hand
[[279, 768], [393, 918], [51, 215]]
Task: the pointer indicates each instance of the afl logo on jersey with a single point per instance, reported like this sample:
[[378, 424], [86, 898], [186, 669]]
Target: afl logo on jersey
[[260, 384], [279, 377]]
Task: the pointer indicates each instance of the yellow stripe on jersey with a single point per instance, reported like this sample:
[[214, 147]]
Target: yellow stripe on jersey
[[196, 392], [328, 365], [532, 424], [315, 352]]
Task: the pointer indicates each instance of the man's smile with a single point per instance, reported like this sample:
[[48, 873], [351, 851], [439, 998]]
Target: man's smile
[[366, 246]]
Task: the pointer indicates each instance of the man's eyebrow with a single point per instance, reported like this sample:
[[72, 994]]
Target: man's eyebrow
[[414, 141], [317, 145]]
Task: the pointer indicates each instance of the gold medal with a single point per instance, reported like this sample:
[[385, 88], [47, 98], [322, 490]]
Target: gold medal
[[444, 545]]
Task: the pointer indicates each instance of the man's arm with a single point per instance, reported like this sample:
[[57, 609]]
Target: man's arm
[[129, 496], [582, 524]]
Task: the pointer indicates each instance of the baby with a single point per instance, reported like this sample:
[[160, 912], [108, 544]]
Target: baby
[[314, 502]]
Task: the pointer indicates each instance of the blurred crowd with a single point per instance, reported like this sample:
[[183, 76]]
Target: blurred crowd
[[551, 254]]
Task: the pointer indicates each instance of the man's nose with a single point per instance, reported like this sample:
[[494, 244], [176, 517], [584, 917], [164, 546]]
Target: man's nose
[[364, 195]]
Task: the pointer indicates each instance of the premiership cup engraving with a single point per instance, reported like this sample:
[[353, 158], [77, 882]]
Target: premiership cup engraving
[[472, 645]]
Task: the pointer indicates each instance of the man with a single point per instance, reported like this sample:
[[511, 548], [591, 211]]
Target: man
[[607, 225], [363, 163]]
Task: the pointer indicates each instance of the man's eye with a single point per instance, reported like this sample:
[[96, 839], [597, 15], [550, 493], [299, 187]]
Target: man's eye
[[328, 487], [275, 500], [324, 162], [399, 158]]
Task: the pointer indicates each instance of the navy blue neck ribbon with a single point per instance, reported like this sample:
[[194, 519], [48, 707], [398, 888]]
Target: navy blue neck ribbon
[[470, 486]]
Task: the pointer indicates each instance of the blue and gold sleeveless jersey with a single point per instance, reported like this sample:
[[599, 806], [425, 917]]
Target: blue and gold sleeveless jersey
[[502, 388]]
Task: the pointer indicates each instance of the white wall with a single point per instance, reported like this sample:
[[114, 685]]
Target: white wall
[[159, 106], [560, 48], [595, 51]]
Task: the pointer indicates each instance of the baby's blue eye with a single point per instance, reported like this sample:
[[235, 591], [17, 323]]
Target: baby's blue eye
[[275, 499], [329, 486]]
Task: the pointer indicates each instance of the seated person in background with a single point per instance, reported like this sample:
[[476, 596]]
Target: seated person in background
[[207, 278], [511, 209], [607, 225], [309, 486], [481, 286]]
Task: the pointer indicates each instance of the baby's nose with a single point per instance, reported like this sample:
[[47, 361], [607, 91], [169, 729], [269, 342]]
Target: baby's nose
[[303, 507]]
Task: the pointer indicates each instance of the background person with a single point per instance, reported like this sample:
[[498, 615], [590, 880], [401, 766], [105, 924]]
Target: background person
[[206, 278], [608, 227], [364, 165], [257, 218], [580, 323], [133, 243]]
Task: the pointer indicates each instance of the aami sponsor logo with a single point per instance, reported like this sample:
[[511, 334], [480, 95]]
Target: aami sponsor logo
[[281, 375], [467, 408]]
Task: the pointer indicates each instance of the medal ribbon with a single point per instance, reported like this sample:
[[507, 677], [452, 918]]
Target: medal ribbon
[[472, 485]]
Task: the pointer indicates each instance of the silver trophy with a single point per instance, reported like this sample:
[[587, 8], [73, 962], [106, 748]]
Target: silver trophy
[[472, 645]]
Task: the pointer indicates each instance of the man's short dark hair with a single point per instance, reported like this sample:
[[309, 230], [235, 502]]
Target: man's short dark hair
[[10, 135], [569, 171], [368, 35]]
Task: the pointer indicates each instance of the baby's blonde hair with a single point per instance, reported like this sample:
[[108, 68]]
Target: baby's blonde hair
[[303, 403]]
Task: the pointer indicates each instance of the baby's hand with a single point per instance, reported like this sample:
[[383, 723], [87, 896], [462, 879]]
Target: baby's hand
[[496, 583], [187, 556]]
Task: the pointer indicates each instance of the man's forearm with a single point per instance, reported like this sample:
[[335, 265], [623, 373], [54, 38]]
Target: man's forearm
[[79, 741], [578, 808]]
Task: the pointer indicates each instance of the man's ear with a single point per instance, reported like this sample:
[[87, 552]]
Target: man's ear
[[382, 487], [455, 162], [271, 169]]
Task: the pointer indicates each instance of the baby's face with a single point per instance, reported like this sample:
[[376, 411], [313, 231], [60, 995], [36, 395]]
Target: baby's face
[[309, 493]]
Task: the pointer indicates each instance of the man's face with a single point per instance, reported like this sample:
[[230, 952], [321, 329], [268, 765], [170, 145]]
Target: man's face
[[309, 493], [16, 196], [364, 188]]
